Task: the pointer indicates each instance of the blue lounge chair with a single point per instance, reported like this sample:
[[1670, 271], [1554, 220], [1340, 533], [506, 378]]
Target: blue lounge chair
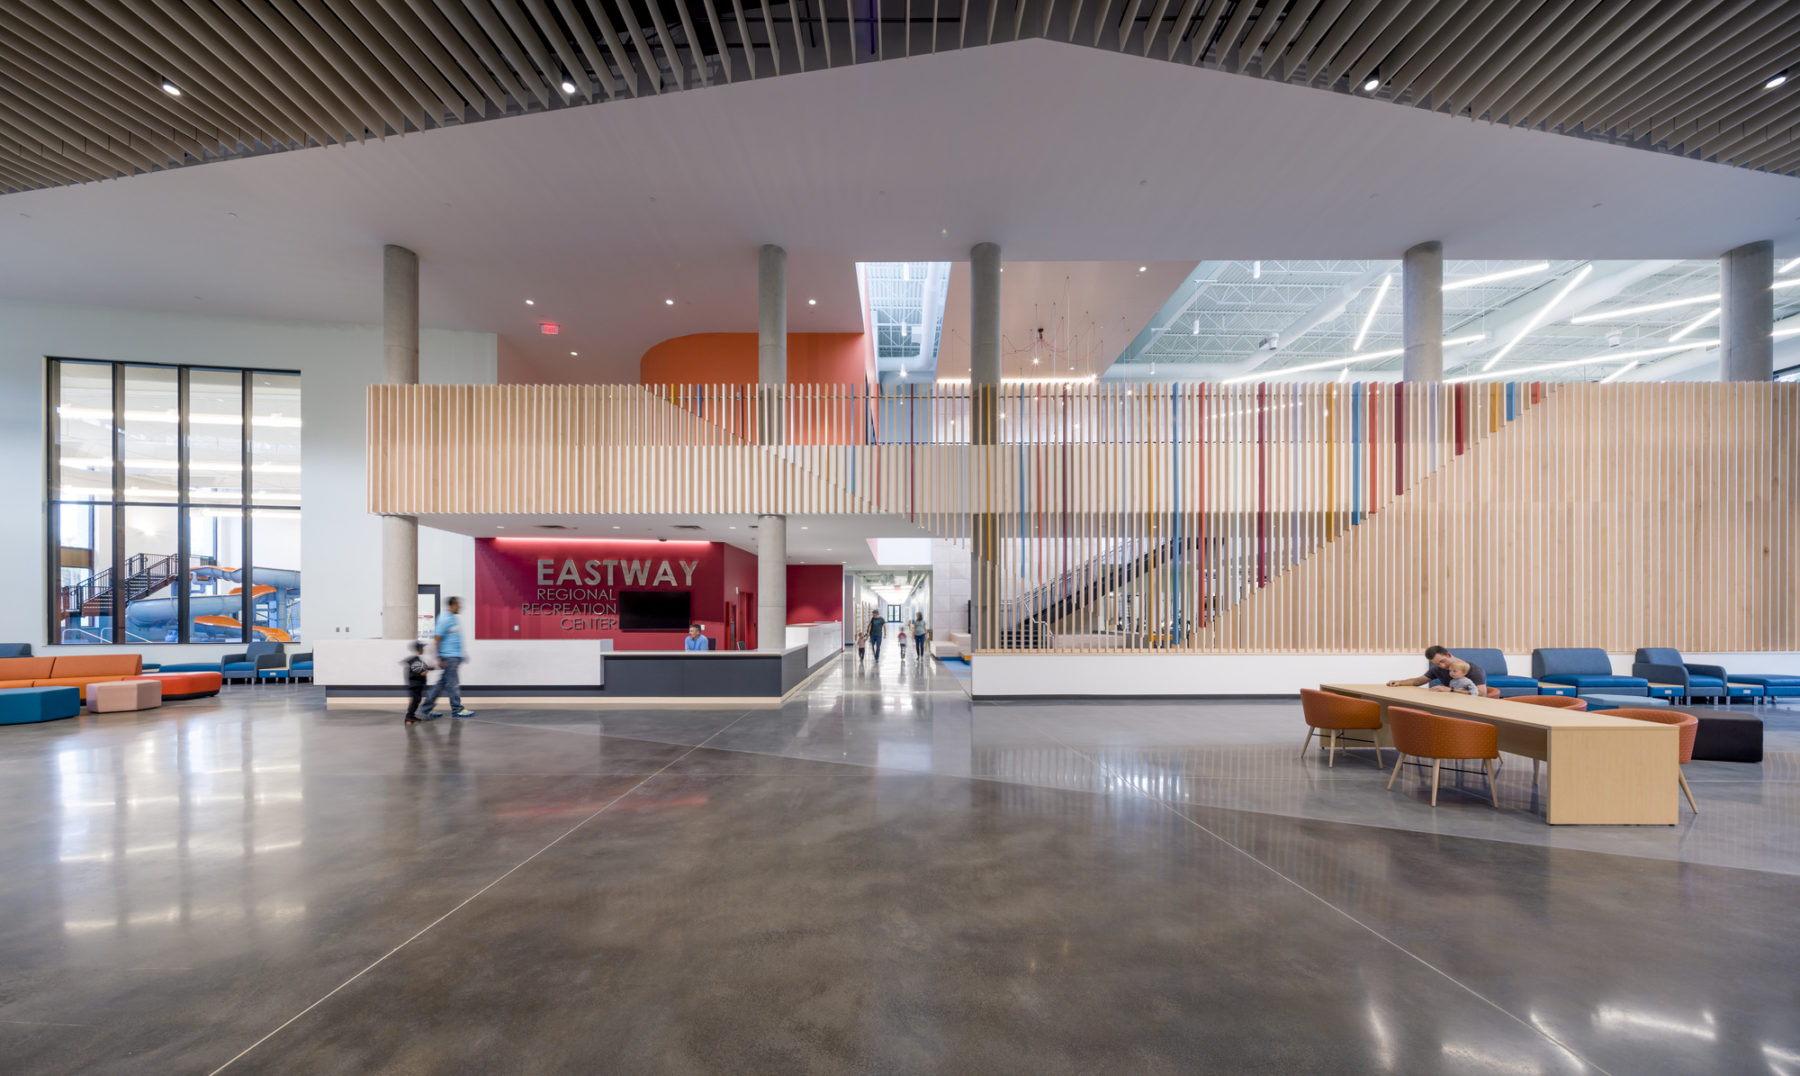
[[1587, 669], [1663, 663]]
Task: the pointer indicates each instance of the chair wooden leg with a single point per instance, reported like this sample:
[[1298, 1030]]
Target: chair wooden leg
[[1399, 762], [1686, 791], [1493, 796], [1380, 760], [1304, 744], [1331, 759], [1435, 763]]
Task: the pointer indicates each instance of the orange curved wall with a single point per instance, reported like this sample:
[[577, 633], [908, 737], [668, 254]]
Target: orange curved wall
[[730, 359]]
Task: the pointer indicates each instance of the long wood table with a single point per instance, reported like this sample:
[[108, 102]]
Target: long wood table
[[1603, 770]]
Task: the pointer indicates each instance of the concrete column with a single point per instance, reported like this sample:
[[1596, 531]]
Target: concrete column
[[1422, 312], [984, 421], [771, 582], [771, 315], [399, 366], [771, 370], [1746, 353]]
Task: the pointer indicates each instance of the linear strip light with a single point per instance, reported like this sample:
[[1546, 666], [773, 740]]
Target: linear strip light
[[1779, 284], [1594, 360], [1695, 324], [1374, 308], [1789, 267], [1542, 313], [1344, 361], [1491, 278], [1621, 371], [1783, 334], [1667, 304]]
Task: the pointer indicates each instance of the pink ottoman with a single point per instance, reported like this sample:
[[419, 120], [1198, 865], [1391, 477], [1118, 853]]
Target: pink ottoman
[[112, 696]]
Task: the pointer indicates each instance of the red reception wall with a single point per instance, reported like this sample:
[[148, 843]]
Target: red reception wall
[[567, 588], [815, 593]]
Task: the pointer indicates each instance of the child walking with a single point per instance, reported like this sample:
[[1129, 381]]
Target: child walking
[[416, 667], [862, 642]]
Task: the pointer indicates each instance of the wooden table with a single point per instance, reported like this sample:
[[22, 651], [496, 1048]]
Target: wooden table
[[1603, 770]]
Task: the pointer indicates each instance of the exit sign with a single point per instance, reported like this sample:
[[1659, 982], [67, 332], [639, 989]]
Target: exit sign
[[549, 328]]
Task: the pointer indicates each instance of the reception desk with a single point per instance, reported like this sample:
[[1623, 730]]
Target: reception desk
[[576, 672]]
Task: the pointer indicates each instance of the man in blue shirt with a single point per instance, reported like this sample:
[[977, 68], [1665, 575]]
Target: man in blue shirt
[[696, 639], [448, 634]]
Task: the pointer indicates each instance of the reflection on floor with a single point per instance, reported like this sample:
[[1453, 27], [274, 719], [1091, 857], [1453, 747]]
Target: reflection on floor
[[877, 876]]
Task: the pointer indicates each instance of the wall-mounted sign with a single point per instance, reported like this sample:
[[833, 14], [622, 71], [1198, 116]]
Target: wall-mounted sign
[[641, 594]]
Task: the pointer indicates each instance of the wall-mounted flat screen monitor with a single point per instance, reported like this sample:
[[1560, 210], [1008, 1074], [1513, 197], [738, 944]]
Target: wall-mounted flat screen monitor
[[650, 610]]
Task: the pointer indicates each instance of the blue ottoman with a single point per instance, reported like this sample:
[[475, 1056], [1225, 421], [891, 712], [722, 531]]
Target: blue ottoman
[[23, 705], [1613, 702], [192, 666]]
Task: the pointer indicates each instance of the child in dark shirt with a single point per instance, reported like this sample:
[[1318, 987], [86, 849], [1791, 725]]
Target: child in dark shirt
[[416, 667]]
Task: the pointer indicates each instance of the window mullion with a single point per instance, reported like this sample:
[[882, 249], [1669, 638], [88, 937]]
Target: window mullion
[[118, 502], [183, 486]]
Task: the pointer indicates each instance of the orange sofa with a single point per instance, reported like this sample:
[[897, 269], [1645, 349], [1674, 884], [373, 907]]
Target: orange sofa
[[69, 670]]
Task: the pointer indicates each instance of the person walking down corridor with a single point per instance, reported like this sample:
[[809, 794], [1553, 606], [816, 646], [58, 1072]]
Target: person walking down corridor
[[447, 633], [877, 632], [919, 633]]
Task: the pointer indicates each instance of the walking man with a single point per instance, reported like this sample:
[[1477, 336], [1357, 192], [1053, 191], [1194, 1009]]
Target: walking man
[[447, 633], [877, 632]]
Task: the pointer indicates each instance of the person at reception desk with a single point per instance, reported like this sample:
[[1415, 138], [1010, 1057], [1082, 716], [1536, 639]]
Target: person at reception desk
[[1447, 672], [696, 639]]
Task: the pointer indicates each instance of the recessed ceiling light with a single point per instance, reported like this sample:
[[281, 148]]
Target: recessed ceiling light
[[1775, 80], [732, 527], [1143, 268], [802, 526], [568, 87], [531, 302], [812, 302], [574, 353], [171, 89], [668, 302], [1371, 85], [615, 526]]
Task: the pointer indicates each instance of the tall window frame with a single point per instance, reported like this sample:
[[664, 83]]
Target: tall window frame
[[121, 565]]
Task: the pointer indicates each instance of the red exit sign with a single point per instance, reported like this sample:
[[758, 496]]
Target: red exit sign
[[549, 328]]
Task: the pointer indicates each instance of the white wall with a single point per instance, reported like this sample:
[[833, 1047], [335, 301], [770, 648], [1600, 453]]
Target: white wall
[[949, 589], [340, 540]]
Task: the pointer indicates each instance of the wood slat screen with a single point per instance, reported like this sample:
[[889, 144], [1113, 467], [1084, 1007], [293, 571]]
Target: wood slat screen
[[1199, 518]]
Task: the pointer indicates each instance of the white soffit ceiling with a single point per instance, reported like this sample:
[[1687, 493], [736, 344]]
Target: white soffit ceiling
[[1056, 152]]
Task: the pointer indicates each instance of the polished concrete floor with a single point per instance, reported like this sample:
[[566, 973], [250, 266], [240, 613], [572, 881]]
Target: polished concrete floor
[[877, 877]]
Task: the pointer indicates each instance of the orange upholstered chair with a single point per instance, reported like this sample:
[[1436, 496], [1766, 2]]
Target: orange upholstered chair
[[1686, 725], [1433, 736], [1555, 702], [1327, 711], [1490, 692]]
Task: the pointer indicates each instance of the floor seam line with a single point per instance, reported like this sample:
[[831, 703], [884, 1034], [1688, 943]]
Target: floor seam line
[[1277, 872], [465, 902]]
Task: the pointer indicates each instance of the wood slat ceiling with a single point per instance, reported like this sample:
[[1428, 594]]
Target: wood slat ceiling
[[81, 81]]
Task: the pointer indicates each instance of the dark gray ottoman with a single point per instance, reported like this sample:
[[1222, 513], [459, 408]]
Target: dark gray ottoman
[[1726, 737]]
